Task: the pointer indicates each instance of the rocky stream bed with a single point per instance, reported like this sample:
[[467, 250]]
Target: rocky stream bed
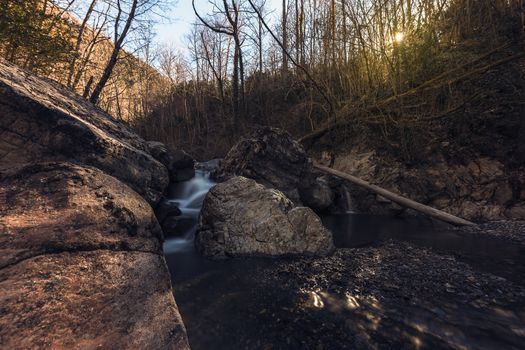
[[390, 295], [392, 282]]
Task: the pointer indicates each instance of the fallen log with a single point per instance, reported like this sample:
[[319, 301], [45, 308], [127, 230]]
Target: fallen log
[[425, 209]]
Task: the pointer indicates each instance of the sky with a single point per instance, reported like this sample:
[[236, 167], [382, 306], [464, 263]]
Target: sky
[[172, 31]]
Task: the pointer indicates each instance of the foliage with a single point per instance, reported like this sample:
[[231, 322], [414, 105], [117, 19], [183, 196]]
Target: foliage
[[394, 70], [34, 39]]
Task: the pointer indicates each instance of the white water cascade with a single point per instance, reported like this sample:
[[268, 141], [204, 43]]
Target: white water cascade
[[188, 196]]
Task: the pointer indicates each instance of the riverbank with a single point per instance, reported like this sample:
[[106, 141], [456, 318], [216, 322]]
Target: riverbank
[[392, 294]]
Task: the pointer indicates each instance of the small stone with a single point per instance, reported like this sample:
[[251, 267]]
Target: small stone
[[517, 212]]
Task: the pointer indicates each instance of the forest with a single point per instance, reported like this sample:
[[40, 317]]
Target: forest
[[299, 174], [395, 69]]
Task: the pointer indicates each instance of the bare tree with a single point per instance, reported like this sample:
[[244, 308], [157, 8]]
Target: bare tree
[[129, 15], [119, 35], [78, 43], [231, 26], [284, 29]]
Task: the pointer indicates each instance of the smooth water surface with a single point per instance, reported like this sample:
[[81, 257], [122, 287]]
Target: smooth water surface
[[234, 304], [483, 253]]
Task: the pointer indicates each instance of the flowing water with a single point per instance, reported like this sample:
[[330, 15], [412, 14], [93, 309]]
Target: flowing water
[[224, 303], [188, 197]]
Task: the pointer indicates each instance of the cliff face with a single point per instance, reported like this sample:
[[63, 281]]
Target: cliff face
[[480, 189], [81, 263]]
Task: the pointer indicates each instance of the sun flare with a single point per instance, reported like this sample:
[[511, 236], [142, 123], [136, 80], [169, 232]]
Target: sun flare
[[399, 36]]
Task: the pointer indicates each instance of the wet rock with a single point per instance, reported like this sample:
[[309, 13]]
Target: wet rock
[[81, 263], [473, 167], [470, 210], [272, 158], [440, 202], [491, 212], [45, 122], [160, 152], [241, 217], [209, 166], [177, 226], [484, 192], [181, 166], [517, 212], [490, 168], [166, 209], [503, 193], [319, 196], [343, 201]]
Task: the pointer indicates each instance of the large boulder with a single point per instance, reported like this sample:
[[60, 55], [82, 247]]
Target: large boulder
[[271, 157], [180, 165], [81, 264], [81, 261], [320, 195], [101, 299], [52, 207], [40, 120], [241, 217]]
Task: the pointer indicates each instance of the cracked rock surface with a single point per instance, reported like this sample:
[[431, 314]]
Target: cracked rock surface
[[39, 120], [241, 217], [81, 261]]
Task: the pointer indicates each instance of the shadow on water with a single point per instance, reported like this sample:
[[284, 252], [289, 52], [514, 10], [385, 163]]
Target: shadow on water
[[257, 303], [482, 253]]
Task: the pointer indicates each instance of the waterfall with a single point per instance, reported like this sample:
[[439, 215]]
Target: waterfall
[[188, 196]]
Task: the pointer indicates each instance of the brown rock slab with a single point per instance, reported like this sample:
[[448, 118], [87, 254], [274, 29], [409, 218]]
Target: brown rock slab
[[101, 299], [81, 264], [40, 120]]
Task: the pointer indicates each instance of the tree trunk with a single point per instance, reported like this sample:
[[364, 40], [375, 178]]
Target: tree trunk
[[285, 37], [79, 42], [119, 40], [437, 214], [235, 90]]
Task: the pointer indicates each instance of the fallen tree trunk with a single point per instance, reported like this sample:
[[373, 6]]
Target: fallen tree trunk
[[435, 213]]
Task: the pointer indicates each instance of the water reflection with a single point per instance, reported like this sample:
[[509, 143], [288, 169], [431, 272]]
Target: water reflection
[[483, 253]]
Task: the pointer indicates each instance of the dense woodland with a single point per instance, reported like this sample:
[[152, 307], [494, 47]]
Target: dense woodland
[[403, 73]]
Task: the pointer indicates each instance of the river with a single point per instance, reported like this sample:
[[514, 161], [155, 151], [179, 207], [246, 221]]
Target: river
[[240, 303]]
